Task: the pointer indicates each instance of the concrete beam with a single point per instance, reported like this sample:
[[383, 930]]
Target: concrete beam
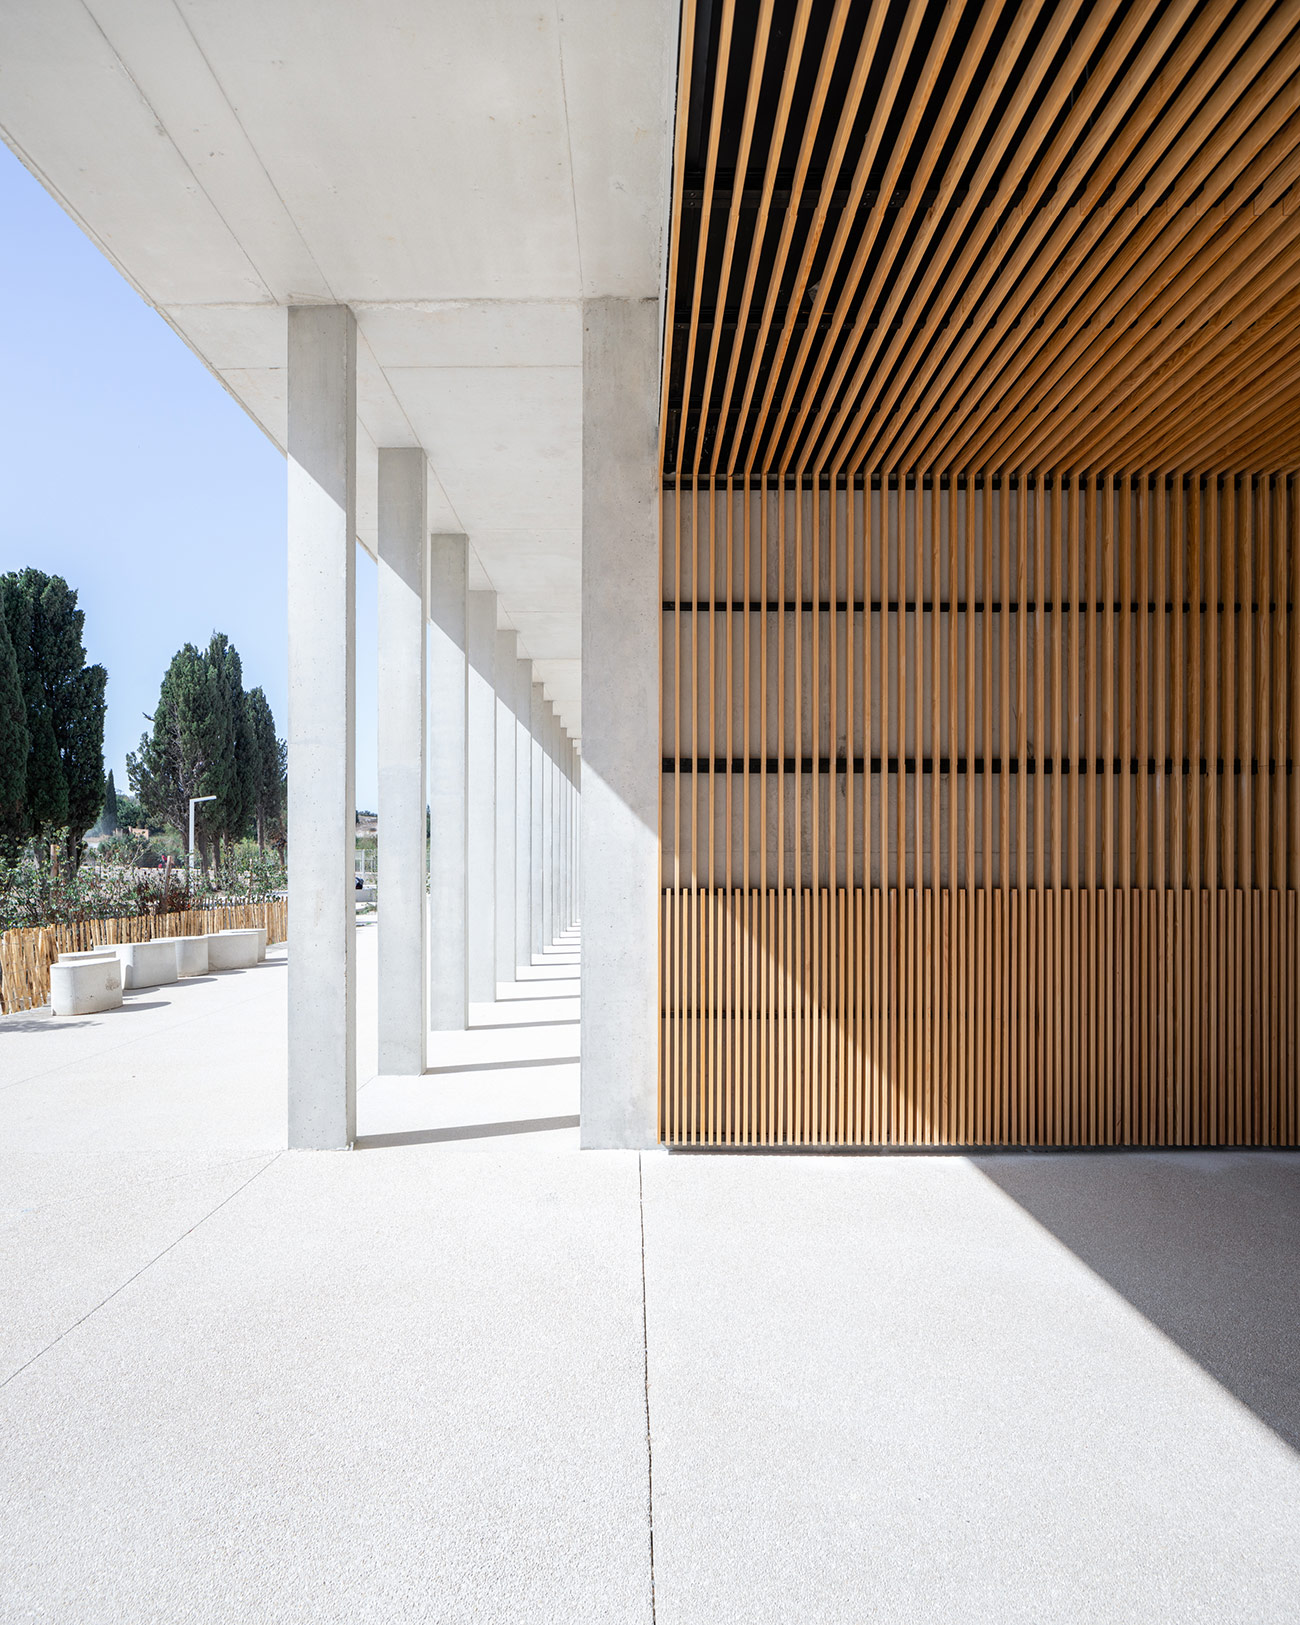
[[403, 725], [620, 711], [322, 495], [448, 683], [481, 789]]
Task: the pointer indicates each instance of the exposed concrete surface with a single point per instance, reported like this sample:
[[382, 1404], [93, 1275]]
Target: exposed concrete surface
[[232, 159], [322, 570], [879, 1389], [410, 1382], [621, 626]]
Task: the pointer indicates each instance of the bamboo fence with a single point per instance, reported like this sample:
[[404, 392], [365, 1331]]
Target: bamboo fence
[[27, 953]]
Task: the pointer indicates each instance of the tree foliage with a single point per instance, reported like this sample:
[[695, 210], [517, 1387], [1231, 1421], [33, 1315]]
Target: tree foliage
[[64, 700], [108, 817], [210, 738], [15, 743], [181, 754], [268, 756]]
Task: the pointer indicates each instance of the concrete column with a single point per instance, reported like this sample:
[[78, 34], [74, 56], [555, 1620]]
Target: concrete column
[[577, 826], [481, 783], [403, 609], [572, 759], [548, 824], [448, 605], [537, 713], [566, 918], [577, 834], [523, 680], [620, 721], [506, 687], [570, 810], [322, 574], [557, 826]]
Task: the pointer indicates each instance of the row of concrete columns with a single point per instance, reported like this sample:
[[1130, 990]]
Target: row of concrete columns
[[470, 749], [502, 777]]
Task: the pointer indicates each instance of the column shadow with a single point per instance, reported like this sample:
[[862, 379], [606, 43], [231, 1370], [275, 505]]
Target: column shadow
[[462, 1131], [1205, 1245]]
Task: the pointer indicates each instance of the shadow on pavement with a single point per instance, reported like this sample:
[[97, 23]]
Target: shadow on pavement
[[1205, 1246], [462, 1131], [501, 1066]]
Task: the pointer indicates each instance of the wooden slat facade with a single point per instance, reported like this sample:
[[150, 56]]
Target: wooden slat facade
[[987, 832], [981, 422]]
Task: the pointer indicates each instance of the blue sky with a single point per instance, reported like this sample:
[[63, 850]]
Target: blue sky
[[128, 470]]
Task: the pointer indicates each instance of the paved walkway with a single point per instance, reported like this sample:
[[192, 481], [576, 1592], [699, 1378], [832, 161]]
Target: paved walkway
[[412, 1382]]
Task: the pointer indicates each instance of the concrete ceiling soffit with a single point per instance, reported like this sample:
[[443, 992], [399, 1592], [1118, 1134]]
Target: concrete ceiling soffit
[[76, 114], [156, 44], [421, 149], [620, 66]]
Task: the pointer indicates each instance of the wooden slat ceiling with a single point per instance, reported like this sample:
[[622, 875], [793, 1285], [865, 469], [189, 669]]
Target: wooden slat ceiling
[[928, 235]]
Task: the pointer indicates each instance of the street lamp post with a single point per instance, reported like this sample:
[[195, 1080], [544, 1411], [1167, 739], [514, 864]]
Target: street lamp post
[[189, 856]]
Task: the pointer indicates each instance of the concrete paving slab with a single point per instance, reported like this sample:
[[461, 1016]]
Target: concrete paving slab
[[75, 1229], [409, 1384], [879, 1389], [386, 1387], [193, 1067], [511, 1106]]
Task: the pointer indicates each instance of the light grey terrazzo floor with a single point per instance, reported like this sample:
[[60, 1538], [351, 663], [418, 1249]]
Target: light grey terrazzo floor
[[411, 1382]]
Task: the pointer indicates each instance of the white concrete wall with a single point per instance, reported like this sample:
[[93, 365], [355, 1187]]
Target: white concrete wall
[[448, 606], [403, 609], [322, 384], [620, 710]]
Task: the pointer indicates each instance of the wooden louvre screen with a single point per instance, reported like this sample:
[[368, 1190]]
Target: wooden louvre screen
[[980, 424], [979, 821], [1050, 1018]]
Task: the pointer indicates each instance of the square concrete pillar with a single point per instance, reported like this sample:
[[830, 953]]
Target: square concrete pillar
[[577, 835], [571, 905], [557, 826], [620, 722], [448, 684], [548, 824], [506, 686], [537, 730], [322, 383], [523, 680], [403, 724], [481, 783]]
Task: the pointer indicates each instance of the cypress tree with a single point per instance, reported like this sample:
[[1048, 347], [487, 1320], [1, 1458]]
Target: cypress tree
[[175, 759], [15, 743], [65, 706], [47, 789], [108, 818], [268, 755], [235, 770]]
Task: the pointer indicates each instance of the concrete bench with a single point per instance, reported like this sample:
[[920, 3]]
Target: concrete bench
[[237, 930], [80, 955], [148, 964], [233, 950], [83, 984], [191, 954]]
